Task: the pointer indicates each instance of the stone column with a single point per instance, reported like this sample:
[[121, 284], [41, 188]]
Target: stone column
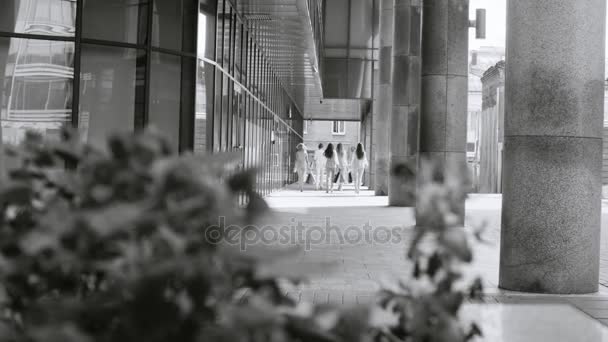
[[553, 146], [384, 101], [443, 119], [404, 130]]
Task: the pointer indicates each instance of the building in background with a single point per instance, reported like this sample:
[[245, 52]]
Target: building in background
[[480, 61], [324, 132]]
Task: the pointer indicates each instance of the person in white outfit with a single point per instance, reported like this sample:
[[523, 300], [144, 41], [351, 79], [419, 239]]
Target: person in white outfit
[[319, 166], [358, 165], [331, 165], [342, 165], [301, 164]]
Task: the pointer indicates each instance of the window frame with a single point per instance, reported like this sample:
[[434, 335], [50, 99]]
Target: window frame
[[339, 123]]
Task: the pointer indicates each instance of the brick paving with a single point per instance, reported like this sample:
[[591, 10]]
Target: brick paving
[[358, 269]]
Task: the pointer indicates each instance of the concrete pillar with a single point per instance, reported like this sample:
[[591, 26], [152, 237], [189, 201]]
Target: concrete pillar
[[404, 130], [553, 146], [444, 92], [384, 101]]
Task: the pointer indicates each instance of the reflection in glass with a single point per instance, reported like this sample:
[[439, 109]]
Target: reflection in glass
[[111, 90], [164, 107], [361, 24], [206, 31], [115, 20], [204, 106], [36, 79], [336, 28], [171, 20], [45, 17]]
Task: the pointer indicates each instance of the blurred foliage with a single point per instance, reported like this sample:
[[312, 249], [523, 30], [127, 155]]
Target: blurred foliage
[[123, 243], [425, 306]]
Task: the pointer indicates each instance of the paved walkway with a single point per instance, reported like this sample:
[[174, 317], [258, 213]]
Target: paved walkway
[[361, 260]]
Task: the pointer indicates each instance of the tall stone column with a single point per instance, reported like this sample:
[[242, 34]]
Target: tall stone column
[[553, 146], [384, 101], [404, 130], [443, 120]]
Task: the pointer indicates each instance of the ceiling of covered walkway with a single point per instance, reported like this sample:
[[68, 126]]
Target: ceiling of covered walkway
[[292, 32]]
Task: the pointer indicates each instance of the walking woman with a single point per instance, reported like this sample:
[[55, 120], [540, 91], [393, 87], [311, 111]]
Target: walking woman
[[301, 164], [331, 164], [359, 163], [342, 165]]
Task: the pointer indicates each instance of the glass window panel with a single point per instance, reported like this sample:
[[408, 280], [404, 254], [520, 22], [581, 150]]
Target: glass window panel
[[111, 90], [171, 24], [227, 34], [115, 20], [204, 106], [206, 35], [36, 80], [335, 78], [359, 79], [219, 37], [226, 85], [361, 21], [336, 22], [233, 55], [217, 110], [361, 53], [165, 86], [45, 17]]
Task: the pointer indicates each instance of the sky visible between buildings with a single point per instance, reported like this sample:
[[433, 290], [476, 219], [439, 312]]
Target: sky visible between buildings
[[496, 25]]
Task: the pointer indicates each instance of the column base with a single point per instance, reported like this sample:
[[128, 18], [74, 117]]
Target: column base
[[551, 209]]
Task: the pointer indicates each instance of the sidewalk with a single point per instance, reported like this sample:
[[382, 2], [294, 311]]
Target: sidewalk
[[360, 266]]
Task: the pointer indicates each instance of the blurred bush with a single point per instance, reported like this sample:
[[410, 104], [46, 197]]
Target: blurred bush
[[121, 244]]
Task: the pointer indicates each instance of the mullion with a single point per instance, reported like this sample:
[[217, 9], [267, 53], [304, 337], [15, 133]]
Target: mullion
[[76, 66]]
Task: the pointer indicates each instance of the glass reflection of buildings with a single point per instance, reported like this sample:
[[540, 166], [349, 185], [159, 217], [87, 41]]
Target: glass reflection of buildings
[[195, 69], [37, 75]]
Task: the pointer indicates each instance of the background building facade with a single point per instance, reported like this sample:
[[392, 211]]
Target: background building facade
[[322, 131]]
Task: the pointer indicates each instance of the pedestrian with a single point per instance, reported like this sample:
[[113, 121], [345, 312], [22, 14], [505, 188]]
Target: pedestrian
[[301, 164], [331, 164], [319, 165], [358, 165], [342, 165]]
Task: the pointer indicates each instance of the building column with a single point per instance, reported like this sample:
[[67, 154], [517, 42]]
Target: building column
[[384, 101], [553, 146], [443, 120], [404, 130]]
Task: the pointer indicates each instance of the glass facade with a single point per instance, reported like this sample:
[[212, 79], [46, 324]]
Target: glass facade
[[195, 69], [351, 44]]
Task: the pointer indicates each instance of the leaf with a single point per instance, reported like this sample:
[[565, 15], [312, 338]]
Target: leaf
[[114, 218], [38, 241], [455, 241], [66, 332], [474, 331], [256, 207], [16, 193], [242, 181], [255, 313], [434, 264], [383, 318], [476, 289], [306, 329]]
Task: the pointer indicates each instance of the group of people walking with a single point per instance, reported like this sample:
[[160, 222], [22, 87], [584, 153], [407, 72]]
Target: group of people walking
[[335, 164]]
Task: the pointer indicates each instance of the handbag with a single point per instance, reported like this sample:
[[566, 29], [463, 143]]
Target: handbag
[[336, 177], [350, 177], [310, 179]]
